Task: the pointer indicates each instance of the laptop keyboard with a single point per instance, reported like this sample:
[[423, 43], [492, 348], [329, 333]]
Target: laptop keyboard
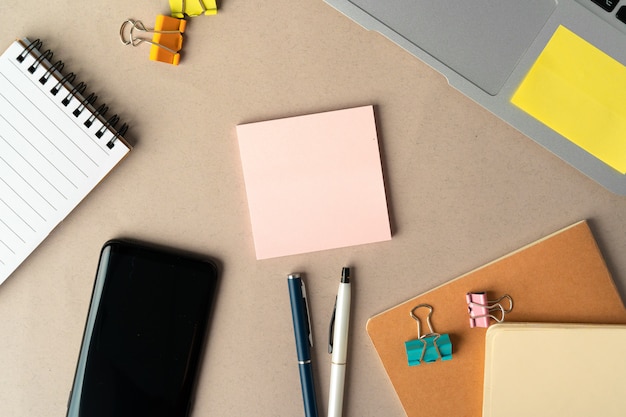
[[607, 5], [610, 6], [621, 14]]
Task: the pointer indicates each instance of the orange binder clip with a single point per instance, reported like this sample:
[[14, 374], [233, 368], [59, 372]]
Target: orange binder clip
[[167, 38]]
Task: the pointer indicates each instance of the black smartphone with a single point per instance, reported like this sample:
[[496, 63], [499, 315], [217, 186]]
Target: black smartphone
[[144, 334]]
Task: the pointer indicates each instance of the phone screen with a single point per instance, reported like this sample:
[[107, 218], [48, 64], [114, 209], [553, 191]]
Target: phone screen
[[144, 333]]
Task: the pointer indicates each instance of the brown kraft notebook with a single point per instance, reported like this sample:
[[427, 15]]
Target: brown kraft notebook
[[561, 278]]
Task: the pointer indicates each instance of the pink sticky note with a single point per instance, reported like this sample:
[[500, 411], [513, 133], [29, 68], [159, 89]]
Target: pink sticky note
[[314, 182]]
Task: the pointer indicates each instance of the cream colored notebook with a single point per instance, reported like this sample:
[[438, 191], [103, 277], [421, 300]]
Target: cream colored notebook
[[564, 370]]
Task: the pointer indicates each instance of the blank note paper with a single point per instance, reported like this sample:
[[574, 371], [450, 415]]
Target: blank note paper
[[314, 182], [49, 159]]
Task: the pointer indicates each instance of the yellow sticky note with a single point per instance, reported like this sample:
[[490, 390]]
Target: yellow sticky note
[[192, 8], [579, 91]]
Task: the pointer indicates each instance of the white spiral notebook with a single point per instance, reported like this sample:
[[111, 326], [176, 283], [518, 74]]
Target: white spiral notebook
[[55, 147]]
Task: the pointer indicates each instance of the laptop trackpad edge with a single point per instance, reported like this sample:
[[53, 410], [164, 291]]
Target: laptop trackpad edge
[[481, 40]]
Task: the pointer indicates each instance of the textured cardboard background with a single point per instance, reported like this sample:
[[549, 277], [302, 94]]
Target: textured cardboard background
[[463, 188]]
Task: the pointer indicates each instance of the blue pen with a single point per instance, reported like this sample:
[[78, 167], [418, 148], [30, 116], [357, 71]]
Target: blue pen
[[304, 342]]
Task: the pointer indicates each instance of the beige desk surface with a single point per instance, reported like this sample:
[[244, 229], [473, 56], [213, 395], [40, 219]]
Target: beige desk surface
[[463, 188]]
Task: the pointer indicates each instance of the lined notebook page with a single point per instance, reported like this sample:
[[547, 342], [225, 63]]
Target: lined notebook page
[[49, 159]]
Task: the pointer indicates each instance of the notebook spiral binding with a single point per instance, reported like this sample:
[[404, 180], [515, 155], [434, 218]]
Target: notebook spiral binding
[[75, 91]]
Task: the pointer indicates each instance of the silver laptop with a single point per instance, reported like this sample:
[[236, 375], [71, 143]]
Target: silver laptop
[[486, 49]]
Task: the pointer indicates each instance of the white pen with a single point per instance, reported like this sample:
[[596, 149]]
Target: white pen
[[338, 345]]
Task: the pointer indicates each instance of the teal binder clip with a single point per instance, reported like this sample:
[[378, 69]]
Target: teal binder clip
[[429, 347]]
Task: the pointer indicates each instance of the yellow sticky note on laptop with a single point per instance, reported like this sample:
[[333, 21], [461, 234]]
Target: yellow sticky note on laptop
[[579, 91]]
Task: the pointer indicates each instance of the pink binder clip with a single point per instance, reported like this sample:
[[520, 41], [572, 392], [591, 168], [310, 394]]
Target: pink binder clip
[[480, 309]]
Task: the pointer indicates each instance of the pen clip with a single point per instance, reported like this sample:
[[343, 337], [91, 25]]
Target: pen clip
[[331, 330], [306, 311]]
